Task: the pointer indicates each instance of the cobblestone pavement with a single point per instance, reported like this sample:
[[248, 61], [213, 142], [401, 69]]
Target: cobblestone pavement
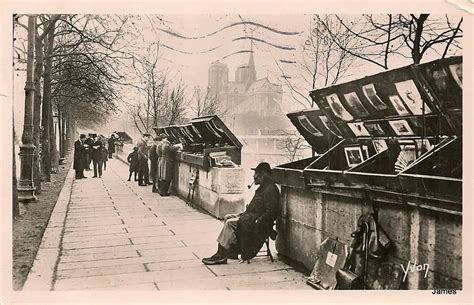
[[117, 235]]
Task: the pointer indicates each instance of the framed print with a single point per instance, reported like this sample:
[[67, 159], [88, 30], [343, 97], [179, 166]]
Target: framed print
[[337, 108], [411, 96], [379, 145], [359, 129], [456, 72], [365, 150], [303, 119], [372, 97], [401, 128], [398, 105], [374, 129], [355, 104], [353, 155], [440, 78]]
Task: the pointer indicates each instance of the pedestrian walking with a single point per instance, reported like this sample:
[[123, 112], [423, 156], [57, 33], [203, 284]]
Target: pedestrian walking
[[111, 143], [159, 154], [166, 166], [133, 161], [97, 156], [80, 156]]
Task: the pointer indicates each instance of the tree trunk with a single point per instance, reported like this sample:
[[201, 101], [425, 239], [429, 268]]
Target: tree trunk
[[37, 112], [416, 51], [53, 148], [60, 134], [16, 207], [46, 115]]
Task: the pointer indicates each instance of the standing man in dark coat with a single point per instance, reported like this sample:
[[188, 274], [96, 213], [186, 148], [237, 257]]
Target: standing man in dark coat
[[245, 233], [153, 163], [168, 154], [89, 142], [111, 143], [96, 155], [143, 170], [80, 156]]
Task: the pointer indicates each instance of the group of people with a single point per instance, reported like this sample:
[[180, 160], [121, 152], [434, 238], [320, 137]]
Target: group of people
[[152, 163], [92, 149]]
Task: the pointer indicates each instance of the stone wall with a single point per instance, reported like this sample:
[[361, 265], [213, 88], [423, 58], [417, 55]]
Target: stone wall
[[419, 235]]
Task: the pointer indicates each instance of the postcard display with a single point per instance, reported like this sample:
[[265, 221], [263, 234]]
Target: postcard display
[[213, 154], [393, 140]]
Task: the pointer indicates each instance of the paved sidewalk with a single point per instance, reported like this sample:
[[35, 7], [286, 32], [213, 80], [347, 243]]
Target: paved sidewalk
[[119, 236]]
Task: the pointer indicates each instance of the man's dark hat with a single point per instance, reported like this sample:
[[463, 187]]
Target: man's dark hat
[[263, 167], [82, 136], [93, 135], [146, 135]]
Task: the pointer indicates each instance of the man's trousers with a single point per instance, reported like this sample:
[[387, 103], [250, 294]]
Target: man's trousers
[[227, 237]]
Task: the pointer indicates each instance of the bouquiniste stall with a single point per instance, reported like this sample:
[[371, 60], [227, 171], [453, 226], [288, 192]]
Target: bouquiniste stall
[[392, 141], [208, 168]]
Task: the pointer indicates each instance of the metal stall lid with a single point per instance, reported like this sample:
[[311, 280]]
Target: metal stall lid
[[214, 131], [320, 132], [388, 108]]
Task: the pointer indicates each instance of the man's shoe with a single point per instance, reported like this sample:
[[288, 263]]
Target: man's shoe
[[94, 176], [214, 260]]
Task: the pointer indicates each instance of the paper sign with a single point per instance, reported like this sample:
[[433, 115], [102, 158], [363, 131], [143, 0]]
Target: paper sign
[[331, 259]]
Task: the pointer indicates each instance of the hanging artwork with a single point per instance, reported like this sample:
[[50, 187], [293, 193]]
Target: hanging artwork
[[380, 145], [353, 155], [398, 105], [440, 78], [359, 129], [337, 108], [401, 128], [411, 96], [456, 72], [372, 97], [355, 104], [365, 149], [305, 122], [374, 129]]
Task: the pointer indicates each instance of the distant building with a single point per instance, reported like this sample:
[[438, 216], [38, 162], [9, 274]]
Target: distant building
[[253, 111], [252, 105]]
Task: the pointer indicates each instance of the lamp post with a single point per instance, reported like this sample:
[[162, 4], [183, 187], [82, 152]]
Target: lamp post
[[26, 188]]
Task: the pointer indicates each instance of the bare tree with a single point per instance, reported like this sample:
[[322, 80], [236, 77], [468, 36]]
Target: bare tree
[[152, 88], [174, 108], [322, 62], [291, 144], [382, 38], [206, 103]]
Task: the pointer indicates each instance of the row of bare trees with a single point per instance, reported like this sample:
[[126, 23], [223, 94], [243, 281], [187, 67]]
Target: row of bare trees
[[164, 102], [77, 60]]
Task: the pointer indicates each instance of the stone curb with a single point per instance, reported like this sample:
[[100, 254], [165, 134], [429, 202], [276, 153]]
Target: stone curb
[[41, 274]]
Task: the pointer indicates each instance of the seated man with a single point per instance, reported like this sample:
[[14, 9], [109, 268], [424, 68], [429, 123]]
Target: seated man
[[245, 233]]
